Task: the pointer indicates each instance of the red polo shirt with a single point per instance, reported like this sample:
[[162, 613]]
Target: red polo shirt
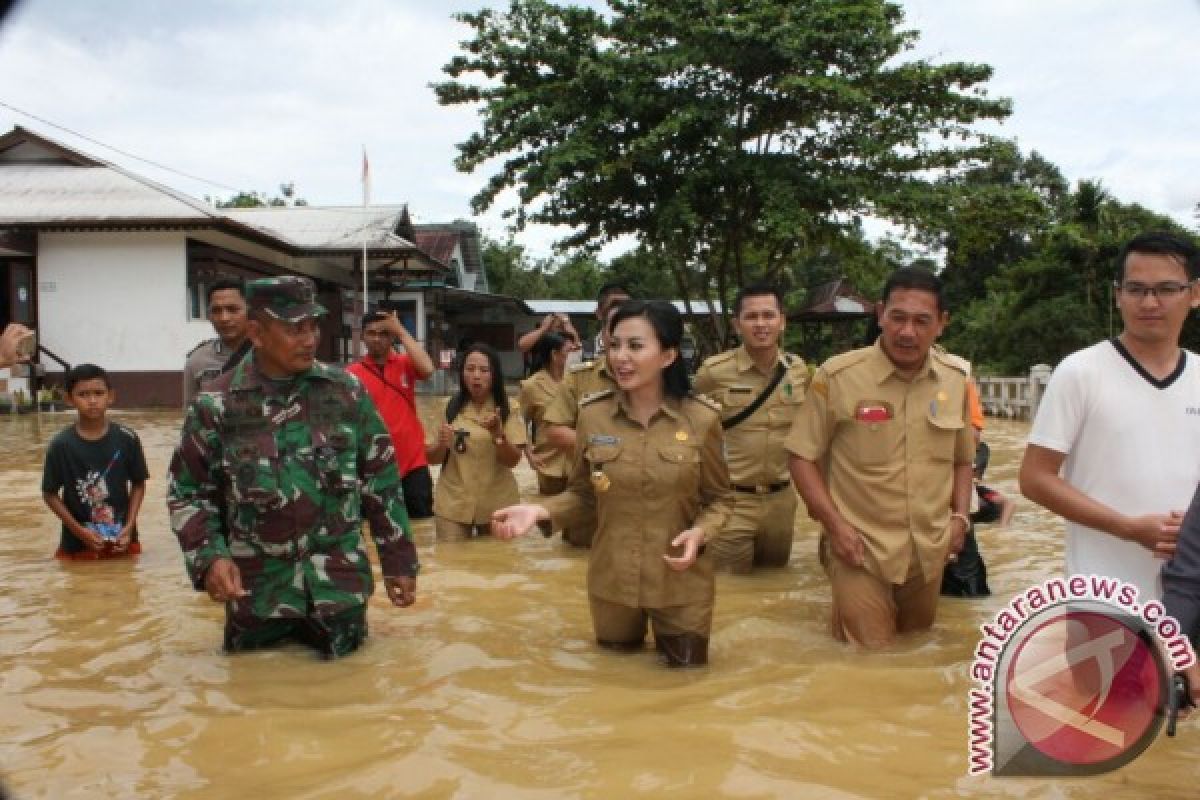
[[394, 390]]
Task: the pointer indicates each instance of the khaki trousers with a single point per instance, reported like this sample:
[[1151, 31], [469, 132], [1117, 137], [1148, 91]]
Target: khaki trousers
[[870, 611], [759, 531], [621, 625]]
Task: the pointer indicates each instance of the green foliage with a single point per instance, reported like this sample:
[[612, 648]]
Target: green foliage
[[286, 197], [733, 138], [510, 272], [1055, 296]]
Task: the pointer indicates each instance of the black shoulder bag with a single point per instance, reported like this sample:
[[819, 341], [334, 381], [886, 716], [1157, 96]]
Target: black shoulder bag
[[744, 414]]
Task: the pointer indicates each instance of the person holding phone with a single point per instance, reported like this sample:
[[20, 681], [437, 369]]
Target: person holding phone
[[478, 443]]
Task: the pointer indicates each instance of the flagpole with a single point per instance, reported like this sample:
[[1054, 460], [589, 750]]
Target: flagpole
[[366, 200]]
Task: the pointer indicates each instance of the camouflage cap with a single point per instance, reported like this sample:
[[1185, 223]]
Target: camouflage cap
[[288, 297]]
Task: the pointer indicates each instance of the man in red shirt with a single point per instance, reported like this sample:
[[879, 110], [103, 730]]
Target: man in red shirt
[[390, 378]]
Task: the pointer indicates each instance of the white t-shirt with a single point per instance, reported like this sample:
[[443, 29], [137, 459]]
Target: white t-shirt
[[1132, 443]]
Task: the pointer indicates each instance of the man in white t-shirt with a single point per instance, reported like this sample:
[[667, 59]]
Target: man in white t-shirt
[[1115, 448]]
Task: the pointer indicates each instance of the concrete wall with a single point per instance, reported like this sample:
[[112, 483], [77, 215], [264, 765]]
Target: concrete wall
[[116, 299]]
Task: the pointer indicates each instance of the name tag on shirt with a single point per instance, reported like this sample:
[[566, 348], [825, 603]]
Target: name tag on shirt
[[871, 411]]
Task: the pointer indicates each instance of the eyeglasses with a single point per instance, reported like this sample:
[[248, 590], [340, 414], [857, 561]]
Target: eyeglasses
[[1168, 290]]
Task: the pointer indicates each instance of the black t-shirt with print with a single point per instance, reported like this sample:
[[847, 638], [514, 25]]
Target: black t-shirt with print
[[94, 478]]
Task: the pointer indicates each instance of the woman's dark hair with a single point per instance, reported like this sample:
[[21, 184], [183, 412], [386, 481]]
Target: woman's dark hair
[[498, 396], [667, 323], [547, 345]]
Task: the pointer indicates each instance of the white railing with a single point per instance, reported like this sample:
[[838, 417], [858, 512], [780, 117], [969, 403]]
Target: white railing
[[1013, 397]]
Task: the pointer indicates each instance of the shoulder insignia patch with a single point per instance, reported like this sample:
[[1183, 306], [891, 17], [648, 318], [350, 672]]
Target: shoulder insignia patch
[[591, 397], [197, 347], [720, 358], [844, 360], [582, 365], [951, 360]]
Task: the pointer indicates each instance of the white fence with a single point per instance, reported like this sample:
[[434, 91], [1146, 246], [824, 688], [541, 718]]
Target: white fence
[[1013, 397]]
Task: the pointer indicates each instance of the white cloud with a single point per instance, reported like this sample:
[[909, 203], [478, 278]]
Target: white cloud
[[251, 95]]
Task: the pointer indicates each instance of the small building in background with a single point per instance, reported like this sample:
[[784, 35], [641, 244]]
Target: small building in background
[[112, 268]]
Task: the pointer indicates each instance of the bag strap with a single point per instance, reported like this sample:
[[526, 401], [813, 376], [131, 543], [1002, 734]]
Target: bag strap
[[744, 414], [371, 369]]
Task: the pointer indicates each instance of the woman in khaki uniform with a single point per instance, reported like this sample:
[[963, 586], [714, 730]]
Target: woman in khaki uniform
[[649, 469], [478, 444], [548, 364]]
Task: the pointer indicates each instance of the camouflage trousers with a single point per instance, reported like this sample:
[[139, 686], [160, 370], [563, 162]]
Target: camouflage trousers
[[332, 636]]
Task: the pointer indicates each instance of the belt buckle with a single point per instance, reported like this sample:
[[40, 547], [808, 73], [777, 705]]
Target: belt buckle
[[762, 489]]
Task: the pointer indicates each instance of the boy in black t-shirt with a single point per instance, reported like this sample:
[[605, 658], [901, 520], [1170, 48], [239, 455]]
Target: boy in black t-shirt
[[100, 471]]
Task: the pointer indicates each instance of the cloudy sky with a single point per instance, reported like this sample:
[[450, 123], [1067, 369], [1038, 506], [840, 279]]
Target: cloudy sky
[[246, 95]]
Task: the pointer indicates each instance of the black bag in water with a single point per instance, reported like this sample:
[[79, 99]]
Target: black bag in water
[[966, 576]]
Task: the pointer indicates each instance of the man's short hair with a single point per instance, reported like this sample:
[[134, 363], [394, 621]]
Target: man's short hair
[[917, 278], [224, 283], [375, 315], [1162, 243], [757, 290], [85, 372], [608, 290]]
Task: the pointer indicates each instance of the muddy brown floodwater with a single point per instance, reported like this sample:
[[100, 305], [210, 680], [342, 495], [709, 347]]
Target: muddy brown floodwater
[[113, 685]]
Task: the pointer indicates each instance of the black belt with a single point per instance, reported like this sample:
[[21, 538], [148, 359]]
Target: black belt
[[769, 488]]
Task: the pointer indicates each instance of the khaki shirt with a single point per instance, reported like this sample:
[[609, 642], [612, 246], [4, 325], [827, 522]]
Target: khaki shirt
[[585, 379], [537, 392], [754, 447], [204, 363], [473, 484], [887, 449], [662, 479]]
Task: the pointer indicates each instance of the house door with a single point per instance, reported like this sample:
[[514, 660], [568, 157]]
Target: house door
[[16, 293]]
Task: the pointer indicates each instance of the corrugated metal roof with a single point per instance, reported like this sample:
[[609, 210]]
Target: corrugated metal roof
[[326, 227], [699, 307], [32, 193], [439, 245]]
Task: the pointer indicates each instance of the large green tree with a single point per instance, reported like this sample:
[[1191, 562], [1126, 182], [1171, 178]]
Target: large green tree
[[1058, 297], [726, 135]]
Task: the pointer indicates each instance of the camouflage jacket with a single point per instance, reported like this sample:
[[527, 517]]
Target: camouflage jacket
[[279, 480]]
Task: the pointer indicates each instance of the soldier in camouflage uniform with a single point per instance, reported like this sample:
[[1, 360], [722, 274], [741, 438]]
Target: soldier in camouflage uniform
[[280, 460]]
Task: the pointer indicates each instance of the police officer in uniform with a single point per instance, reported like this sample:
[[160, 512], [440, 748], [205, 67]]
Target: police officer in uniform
[[882, 454], [650, 471], [280, 460], [207, 360], [580, 381], [760, 390]]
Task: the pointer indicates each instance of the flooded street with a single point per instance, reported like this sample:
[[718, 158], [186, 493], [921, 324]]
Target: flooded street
[[113, 685]]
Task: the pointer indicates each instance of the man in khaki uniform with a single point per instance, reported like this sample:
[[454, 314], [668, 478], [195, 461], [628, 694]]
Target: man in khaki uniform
[[881, 454], [228, 313], [760, 390]]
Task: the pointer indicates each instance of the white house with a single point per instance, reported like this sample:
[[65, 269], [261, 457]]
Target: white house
[[111, 267]]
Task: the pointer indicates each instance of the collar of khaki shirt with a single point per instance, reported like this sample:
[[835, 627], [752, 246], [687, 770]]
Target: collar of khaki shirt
[[745, 362], [670, 406], [884, 368]]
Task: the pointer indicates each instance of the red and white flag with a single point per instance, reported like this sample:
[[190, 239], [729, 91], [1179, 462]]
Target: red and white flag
[[366, 179]]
